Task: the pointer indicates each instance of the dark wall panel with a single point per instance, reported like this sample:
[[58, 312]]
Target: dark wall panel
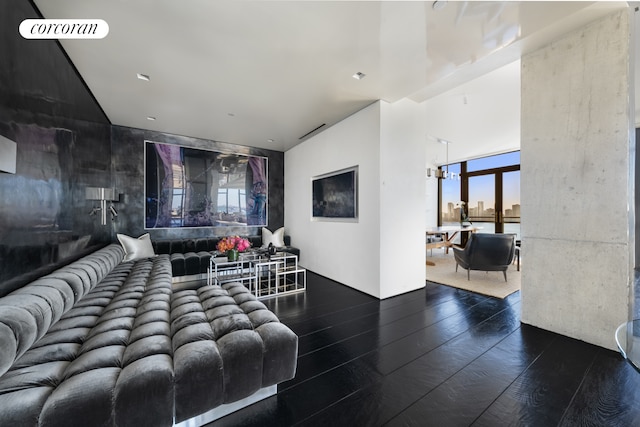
[[63, 145], [44, 220], [36, 75]]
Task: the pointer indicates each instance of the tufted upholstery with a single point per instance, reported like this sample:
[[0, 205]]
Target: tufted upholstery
[[83, 335], [191, 256], [28, 313], [100, 342], [226, 345]]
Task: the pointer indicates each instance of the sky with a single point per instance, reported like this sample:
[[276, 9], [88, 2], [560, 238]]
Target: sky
[[481, 188]]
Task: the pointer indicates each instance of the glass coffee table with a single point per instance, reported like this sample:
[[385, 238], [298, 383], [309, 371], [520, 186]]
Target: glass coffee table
[[263, 275]]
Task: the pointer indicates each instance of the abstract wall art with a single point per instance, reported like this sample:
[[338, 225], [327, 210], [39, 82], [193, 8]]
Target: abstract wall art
[[335, 196]]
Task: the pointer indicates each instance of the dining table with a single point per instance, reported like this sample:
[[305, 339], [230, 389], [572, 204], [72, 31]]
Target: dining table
[[447, 234]]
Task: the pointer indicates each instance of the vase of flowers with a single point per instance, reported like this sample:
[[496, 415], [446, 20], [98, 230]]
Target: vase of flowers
[[232, 246]]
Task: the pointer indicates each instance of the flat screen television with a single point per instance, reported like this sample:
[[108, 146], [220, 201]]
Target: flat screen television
[[335, 195], [191, 187]]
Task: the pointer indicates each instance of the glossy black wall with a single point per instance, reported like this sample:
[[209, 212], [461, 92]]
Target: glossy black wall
[[66, 143], [63, 145]]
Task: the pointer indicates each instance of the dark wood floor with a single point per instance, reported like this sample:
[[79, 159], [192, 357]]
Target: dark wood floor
[[440, 357]]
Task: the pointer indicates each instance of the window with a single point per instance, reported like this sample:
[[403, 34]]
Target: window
[[492, 162], [450, 198], [490, 188]]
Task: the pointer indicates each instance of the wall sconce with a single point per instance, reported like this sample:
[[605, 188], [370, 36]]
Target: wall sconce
[[8, 150], [104, 195]]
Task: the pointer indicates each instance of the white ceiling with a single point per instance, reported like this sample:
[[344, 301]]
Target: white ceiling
[[247, 72]]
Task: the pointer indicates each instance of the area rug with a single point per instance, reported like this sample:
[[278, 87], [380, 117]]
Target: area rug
[[487, 283]]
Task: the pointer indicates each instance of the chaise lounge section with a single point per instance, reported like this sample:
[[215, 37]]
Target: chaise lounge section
[[106, 342]]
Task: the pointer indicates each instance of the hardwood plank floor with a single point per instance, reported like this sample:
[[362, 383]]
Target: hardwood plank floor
[[437, 357]]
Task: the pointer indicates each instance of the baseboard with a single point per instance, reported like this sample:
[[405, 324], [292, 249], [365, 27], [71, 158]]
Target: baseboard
[[228, 408]]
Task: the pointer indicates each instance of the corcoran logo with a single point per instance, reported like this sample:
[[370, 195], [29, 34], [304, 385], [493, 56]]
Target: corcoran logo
[[64, 29]]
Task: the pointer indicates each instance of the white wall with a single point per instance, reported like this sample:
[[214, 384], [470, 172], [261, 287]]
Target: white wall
[[431, 187], [383, 253], [480, 117], [402, 198], [576, 118], [346, 252], [431, 195]]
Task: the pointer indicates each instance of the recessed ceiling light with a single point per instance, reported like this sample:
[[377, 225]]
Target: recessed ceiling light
[[143, 77], [151, 118], [270, 140], [359, 75], [439, 4]]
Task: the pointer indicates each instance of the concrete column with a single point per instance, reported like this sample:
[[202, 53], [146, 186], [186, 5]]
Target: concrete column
[[575, 142]]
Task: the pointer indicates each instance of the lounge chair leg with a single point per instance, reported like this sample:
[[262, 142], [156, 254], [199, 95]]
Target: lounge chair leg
[[468, 270], [456, 268], [505, 275]]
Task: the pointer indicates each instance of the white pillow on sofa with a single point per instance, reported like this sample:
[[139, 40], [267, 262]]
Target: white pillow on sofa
[[277, 237], [135, 249]]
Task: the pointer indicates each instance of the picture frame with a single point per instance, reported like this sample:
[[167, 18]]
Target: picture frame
[[335, 196], [187, 187]]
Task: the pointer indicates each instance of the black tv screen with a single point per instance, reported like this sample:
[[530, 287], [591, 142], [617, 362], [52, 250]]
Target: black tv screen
[[190, 187], [335, 195]]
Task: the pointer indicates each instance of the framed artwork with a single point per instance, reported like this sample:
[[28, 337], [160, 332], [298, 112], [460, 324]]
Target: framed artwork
[[191, 187], [335, 196]]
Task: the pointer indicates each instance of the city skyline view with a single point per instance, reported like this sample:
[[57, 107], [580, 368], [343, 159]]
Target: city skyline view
[[452, 213]]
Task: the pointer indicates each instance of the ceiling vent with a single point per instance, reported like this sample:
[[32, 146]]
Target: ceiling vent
[[312, 131]]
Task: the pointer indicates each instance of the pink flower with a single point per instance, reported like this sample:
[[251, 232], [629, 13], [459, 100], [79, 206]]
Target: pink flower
[[242, 244], [233, 242]]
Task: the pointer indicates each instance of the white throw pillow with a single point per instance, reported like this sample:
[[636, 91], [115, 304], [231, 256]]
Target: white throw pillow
[[277, 237], [135, 249]]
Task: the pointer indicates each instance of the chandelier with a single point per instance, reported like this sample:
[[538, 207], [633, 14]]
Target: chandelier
[[441, 173]]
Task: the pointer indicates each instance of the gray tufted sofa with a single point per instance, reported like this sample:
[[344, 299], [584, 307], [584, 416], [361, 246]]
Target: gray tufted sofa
[[105, 342]]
